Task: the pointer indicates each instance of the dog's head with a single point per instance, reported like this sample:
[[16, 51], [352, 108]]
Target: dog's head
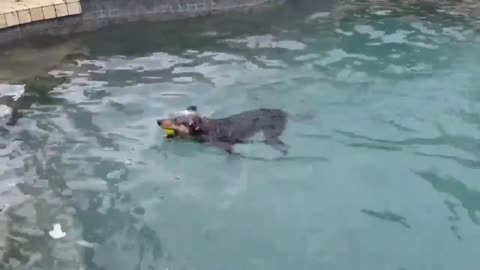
[[186, 124]]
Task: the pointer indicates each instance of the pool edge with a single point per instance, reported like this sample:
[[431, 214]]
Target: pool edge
[[99, 14]]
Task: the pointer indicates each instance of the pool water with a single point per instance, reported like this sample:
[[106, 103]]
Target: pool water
[[383, 176]]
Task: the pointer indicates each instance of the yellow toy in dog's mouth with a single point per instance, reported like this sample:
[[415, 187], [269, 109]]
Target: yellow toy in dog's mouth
[[169, 132]]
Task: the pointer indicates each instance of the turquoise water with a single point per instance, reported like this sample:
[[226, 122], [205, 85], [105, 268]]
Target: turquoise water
[[385, 176]]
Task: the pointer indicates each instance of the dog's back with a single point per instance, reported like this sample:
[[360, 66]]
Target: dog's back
[[246, 124], [239, 127]]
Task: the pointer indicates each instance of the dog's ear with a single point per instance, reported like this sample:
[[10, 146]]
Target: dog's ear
[[192, 108]]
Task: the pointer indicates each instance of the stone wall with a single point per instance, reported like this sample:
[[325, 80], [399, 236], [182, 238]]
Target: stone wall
[[100, 13]]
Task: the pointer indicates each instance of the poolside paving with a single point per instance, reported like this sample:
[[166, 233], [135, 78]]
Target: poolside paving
[[17, 12]]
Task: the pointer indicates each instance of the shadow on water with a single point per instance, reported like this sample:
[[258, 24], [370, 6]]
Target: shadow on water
[[454, 218], [470, 117], [464, 143], [387, 216], [467, 163], [469, 198]]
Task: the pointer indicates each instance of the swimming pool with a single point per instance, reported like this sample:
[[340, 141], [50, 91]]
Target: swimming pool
[[385, 176]]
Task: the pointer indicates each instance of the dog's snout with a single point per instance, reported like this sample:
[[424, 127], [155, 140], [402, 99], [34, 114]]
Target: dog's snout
[[159, 122]]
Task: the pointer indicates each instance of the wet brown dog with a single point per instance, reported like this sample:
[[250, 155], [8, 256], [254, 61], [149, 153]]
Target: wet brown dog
[[226, 132]]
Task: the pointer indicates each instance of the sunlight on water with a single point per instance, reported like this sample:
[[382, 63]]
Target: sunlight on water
[[385, 175]]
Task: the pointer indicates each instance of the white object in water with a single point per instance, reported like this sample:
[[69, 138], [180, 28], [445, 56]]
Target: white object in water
[[86, 244], [14, 91], [5, 111], [318, 15], [57, 232]]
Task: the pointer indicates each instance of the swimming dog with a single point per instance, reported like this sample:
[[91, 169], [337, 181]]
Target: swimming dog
[[224, 133]]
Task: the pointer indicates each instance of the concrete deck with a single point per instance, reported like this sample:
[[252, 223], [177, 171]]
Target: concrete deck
[[16, 12]]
